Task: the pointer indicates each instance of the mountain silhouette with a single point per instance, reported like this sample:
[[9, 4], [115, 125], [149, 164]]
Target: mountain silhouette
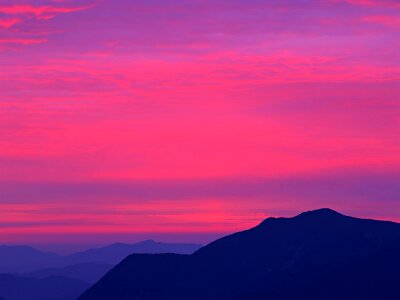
[[37, 275], [48, 276], [319, 254], [89, 272], [14, 287], [25, 259], [114, 253]]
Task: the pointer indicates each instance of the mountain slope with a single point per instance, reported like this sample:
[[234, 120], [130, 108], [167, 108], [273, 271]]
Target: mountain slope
[[89, 272], [50, 288], [282, 258], [114, 253], [24, 259]]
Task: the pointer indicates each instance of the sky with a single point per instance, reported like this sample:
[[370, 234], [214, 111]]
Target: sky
[[185, 120]]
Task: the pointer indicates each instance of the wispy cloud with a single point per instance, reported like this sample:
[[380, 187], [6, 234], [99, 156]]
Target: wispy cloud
[[39, 12], [372, 3], [21, 41], [157, 107], [189, 206], [390, 21], [8, 23]]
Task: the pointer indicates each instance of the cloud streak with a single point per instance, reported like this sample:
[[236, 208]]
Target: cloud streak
[[8, 23], [198, 207], [145, 110], [39, 12]]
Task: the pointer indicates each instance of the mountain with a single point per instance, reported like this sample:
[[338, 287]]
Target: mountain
[[114, 253], [48, 276], [51, 288], [24, 259], [319, 254], [89, 272]]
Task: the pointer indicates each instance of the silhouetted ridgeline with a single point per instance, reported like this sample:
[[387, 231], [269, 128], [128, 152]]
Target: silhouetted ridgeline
[[89, 272], [316, 255], [51, 288], [25, 259], [114, 253], [48, 276]]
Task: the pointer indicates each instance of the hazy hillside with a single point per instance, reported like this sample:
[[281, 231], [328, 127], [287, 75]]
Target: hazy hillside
[[316, 255], [49, 288]]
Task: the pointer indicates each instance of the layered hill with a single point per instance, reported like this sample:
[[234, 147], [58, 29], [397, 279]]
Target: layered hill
[[25, 259], [14, 287], [114, 253], [316, 255], [88, 272], [26, 273]]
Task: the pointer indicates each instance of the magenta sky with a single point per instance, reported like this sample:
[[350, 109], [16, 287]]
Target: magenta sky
[[188, 119]]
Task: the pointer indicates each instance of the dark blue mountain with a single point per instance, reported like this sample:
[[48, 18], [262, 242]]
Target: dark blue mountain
[[51, 288], [24, 259], [316, 255], [89, 272], [114, 253], [48, 276]]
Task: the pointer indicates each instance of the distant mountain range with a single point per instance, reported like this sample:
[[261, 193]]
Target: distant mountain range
[[316, 255], [51, 288], [29, 274], [25, 259], [114, 253], [88, 272], [15, 259]]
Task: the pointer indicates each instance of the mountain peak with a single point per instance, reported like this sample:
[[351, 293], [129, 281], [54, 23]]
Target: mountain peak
[[147, 242], [320, 213], [279, 261]]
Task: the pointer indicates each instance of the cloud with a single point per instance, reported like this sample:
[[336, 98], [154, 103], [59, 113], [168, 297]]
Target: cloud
[[318, 189], [21, 41], [8, 23], [40, 12], [372, 3], [142, 111], [30, 18], [390, 21], [206, 206]]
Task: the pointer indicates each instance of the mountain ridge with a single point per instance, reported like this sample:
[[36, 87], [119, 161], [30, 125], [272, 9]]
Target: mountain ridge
[[88, 272], [22, 259], [32, 273], [114, 253], [274, 260], [16, 287]]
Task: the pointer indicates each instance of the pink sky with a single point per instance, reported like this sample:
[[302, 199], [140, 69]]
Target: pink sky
[[189, 119]]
